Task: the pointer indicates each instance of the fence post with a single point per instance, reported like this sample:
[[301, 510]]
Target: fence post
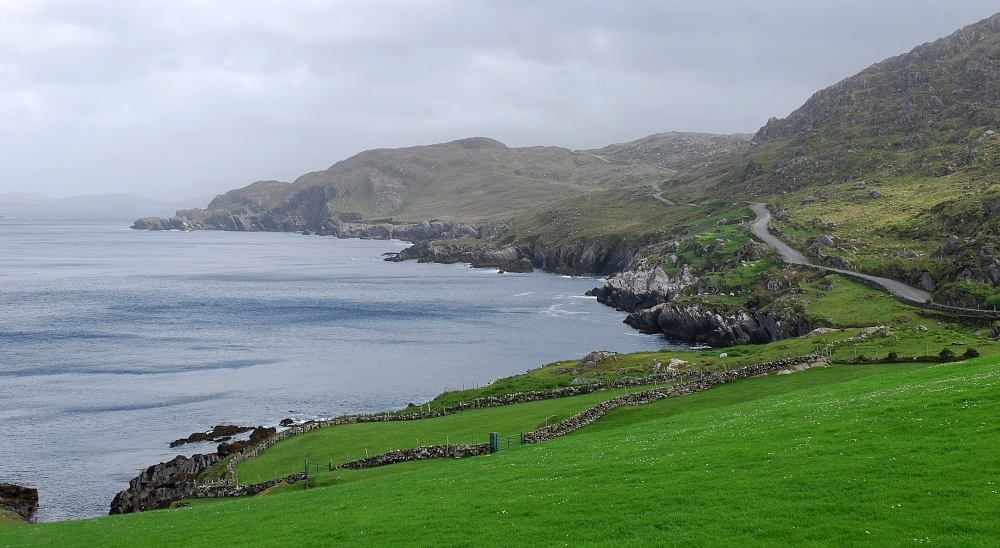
[[494, 442], [307, 468]]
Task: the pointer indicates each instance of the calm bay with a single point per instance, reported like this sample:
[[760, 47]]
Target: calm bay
[[113, 342]]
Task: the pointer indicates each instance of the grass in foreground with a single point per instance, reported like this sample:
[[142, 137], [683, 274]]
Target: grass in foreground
[[819, 457]]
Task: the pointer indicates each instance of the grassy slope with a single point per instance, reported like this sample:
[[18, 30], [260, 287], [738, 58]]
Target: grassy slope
[[813, 458], [8, 519], [347, 442], [934, 165]]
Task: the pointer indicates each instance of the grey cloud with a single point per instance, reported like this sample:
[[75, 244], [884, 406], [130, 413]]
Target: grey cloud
[[153, 97]]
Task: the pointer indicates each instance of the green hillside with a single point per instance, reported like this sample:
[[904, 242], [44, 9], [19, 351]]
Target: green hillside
[[889, 163], [846, 455]]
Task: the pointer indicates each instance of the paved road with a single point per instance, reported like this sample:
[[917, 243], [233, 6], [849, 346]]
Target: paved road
[[659, 195], [606, 161], [792, 256], [601, 158]]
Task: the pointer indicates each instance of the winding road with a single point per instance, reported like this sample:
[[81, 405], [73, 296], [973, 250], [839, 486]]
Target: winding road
[[659, 191], [659, 195], [792, 256]]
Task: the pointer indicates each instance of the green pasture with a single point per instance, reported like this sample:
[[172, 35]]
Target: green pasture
[[882, 455], [347, 442]]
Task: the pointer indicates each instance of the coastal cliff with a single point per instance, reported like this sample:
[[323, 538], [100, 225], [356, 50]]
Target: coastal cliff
[[696, 323], [578, 257]]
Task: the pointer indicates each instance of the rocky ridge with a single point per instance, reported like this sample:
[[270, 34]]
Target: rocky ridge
[[161, 484], [581, 256], [693, 322]]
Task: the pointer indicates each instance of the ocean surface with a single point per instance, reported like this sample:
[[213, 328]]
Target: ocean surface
[[114, 342]]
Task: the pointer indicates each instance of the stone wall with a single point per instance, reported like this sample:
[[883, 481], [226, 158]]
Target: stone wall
[[225, 490], [418, 453], [704, 382], [478, 403]]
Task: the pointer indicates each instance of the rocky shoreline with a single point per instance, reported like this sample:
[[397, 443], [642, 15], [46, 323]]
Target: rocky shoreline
[[647, 293], [488, 248], [20, 500]]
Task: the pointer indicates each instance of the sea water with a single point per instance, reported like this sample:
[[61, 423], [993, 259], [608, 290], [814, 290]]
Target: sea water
[[114, 342]]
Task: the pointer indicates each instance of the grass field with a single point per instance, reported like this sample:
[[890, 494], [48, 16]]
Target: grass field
[[353, 441], [847, 455]]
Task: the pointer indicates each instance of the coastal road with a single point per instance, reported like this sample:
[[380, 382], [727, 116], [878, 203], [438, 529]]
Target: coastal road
[[792, 256], [659, 195]]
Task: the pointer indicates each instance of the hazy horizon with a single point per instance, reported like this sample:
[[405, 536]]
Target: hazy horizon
[[178, 100]]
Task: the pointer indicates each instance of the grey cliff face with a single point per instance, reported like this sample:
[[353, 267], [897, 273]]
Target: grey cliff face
[[643, 288], [694, 323]]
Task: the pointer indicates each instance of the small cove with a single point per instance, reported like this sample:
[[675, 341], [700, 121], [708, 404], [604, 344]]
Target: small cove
[[113, 342]]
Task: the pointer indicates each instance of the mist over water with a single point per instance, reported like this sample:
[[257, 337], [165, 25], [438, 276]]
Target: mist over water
[[114, 342]]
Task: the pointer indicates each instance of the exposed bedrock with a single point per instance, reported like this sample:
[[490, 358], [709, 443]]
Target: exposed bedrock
[[23, 501], [584, 256], [642, 288], [694, 323], [161, 484]]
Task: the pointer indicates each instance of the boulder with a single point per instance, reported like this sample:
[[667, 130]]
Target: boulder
[[926, 282], [597, 357], [822, 241], [675, 363], [837, 261]]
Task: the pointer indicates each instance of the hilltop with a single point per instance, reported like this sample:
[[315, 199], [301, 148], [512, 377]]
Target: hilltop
[[476, 180]]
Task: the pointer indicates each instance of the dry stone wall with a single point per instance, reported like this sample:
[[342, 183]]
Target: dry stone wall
[[704, 382], [478, 403], [226, 490], [418, 453]]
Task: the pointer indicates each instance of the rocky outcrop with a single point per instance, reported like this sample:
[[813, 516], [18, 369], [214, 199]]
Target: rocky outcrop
[[694, 323], [642, 288], [221, 432], [23, 501], [597, 357], [508, 258], [583, 256], [162, 484]]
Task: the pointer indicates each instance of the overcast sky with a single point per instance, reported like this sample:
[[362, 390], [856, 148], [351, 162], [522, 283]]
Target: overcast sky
[[178, 98]]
